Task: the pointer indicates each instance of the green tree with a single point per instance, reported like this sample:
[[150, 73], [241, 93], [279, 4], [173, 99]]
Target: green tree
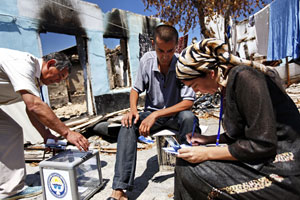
[[189, 13]]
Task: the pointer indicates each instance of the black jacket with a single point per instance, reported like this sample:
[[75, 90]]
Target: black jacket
[[262, 122]]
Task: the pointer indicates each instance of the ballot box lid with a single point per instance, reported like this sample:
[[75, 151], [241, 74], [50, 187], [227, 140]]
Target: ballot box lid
[[69, 158]]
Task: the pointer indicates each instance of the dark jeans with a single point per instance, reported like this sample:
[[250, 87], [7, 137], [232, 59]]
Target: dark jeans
[[127, 144]]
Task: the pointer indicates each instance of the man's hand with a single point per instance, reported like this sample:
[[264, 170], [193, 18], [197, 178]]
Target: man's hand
[[146, 124], [78, 140], [127, 118], [42, 116]]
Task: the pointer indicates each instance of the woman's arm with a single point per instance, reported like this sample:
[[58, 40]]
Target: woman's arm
[[199, 154], [199, 139]]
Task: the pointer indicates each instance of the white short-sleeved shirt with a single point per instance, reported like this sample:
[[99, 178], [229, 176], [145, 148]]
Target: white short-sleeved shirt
[[18, 71]]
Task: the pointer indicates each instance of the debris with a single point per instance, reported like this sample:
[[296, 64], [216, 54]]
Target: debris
[[95, 142], [294, 92], [91, 121], [206, 104], [108, 150], [171, 195], [34, 164], [72, 123]]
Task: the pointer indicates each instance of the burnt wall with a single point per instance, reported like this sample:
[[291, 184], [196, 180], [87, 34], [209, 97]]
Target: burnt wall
[[149, 25], [60, 17], [118, 25], [113, 102]]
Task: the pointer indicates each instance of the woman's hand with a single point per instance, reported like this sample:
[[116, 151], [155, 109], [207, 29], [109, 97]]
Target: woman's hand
[[198, 139], [198, 154], [193, 154]]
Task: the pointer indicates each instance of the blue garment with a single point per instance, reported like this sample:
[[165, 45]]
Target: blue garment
[[161, 91], [283, 29]]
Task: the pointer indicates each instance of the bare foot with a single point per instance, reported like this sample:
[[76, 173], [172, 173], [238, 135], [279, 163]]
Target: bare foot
[[119, 194]]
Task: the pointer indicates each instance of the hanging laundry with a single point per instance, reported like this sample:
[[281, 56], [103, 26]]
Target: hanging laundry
[[182, 43], [261, 19], [283, 29], [145, 44], [243, 39]]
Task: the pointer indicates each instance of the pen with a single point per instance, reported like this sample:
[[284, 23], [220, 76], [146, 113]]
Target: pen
[[220, 119], [194, 126]]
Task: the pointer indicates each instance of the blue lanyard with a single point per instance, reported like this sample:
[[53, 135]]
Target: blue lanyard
[[220, 119]]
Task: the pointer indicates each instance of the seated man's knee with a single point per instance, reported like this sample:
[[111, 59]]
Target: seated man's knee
[[186, 115]]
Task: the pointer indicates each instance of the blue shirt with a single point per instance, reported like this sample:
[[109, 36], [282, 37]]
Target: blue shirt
[[161, 91]]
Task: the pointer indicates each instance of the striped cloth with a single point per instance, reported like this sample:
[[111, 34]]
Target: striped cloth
[[210, 54]]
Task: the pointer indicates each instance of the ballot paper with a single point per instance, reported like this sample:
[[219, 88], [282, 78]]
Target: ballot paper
[[171, 149], [59, 144], [172, 142]]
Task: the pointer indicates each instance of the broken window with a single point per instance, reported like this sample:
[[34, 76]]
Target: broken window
[[117, 62], [67, 98]]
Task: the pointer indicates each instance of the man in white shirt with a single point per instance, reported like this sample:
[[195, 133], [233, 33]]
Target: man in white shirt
[[21, 74]]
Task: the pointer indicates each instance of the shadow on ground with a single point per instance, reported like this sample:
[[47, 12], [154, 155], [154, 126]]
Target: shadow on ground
[[162, 178], [33, 179], [142, 182]]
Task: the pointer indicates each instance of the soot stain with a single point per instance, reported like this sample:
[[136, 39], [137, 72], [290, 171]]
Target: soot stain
[[117, 26], [149, 25], [60, 17]]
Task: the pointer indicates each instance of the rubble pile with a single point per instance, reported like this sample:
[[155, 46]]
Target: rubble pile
[[206, 103], [294, 92], [71, 110]]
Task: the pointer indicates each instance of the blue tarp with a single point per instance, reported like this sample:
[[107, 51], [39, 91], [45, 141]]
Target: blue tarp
[[283, 29]]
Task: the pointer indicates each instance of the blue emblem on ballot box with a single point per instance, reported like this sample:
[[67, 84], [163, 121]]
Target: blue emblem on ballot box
[[57, 185]]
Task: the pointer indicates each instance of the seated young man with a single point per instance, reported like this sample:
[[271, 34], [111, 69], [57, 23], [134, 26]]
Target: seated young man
[[167, 105]]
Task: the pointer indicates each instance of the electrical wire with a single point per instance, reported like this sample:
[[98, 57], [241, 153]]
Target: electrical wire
[[78, 11], [92, 16]]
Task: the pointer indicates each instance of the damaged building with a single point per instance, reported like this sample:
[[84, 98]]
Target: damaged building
[[107, 74]]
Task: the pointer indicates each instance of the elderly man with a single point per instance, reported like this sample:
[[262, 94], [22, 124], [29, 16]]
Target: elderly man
[[21, 74]]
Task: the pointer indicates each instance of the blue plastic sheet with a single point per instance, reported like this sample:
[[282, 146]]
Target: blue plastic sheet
[[283, 29]]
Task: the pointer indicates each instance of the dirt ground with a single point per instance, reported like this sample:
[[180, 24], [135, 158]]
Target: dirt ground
[[151, 183]]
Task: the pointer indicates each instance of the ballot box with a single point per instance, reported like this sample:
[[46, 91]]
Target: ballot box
[[71, 175]]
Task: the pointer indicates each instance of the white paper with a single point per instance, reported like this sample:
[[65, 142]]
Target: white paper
[[171, 150]]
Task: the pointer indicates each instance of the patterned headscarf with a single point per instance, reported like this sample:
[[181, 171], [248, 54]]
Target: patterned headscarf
[[209, 54]]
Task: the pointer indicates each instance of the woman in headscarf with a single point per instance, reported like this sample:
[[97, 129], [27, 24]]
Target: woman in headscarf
[[262, 130]]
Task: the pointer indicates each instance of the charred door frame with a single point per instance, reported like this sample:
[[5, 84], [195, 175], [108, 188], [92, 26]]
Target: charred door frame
[[125, 52], [81, 43]]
